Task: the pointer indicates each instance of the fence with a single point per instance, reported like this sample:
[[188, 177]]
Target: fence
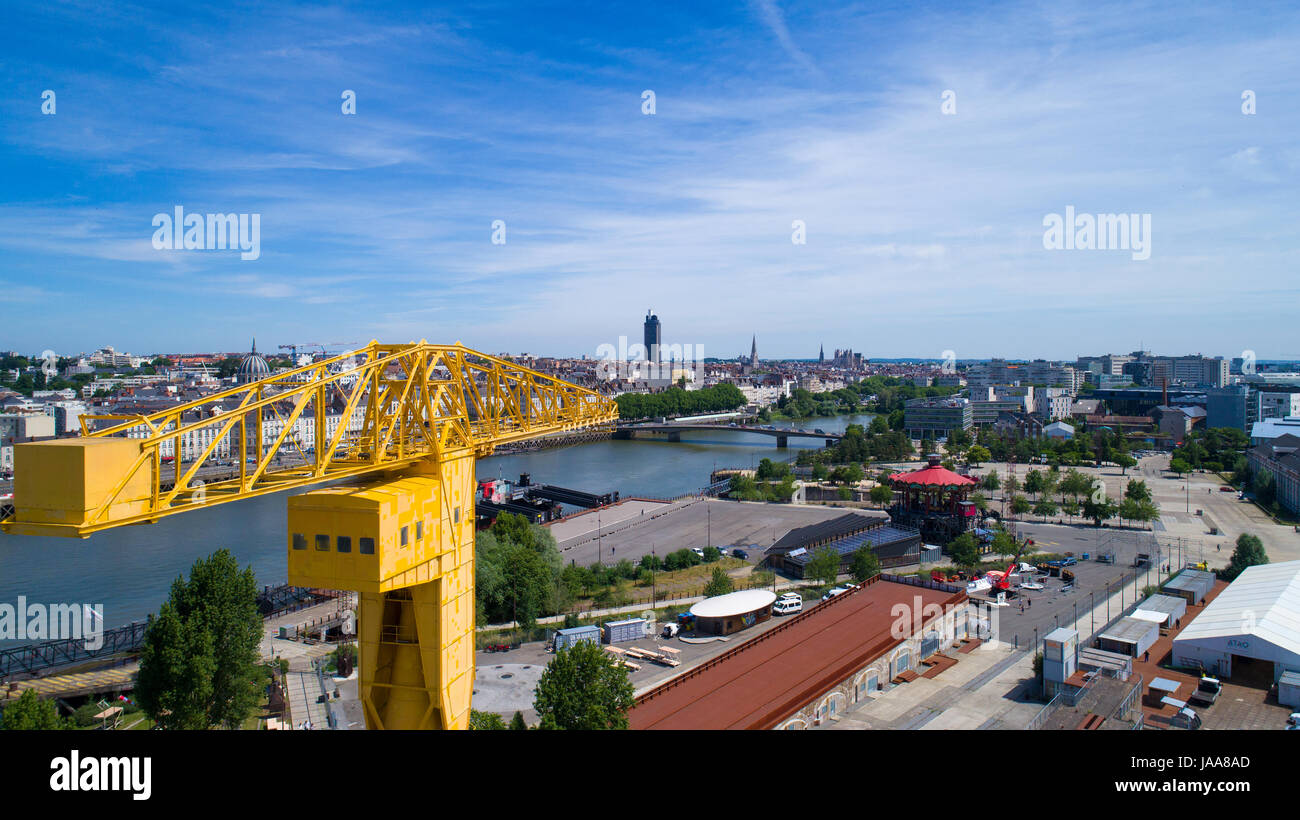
[[34, 657], [1103, 694]]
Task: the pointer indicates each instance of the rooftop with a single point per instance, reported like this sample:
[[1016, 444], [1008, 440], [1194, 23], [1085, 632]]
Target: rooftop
[[1266, 596], [771, 676]]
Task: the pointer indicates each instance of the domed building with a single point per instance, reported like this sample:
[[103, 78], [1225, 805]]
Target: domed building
[[252, 368]]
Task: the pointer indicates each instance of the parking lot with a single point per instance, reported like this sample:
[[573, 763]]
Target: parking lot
[[1084, 607]]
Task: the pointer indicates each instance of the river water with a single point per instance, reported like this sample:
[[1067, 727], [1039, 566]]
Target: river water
[[130, 570]]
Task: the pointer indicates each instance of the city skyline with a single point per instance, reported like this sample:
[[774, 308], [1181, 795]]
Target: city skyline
[[923, 228]]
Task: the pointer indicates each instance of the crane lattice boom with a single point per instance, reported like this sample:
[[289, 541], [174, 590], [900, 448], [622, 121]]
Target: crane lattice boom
[[397, 405]]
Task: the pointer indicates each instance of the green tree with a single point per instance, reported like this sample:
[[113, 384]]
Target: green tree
[[991, 481], [719, 584], [517, 722], [1004, 544], [1249, 553], [1099, 510], [1020, 505], [486, 721], [964, 550], [1137, 490], [583, 687], [30, 712], [199, 662], [882, 494], [977, 455], [1179, 466], [1124, 460], [824, 566], [1034, 482], [711, 554], [864, 565], [1045, 507]]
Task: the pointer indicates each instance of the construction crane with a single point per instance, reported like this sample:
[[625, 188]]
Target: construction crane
[[293, 348], [400, 533]]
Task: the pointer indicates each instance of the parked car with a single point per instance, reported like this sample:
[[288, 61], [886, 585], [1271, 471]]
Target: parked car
[[698, 551], [1293, 722], [670, 631], [739, 553], [838, 591], [1068, 561]]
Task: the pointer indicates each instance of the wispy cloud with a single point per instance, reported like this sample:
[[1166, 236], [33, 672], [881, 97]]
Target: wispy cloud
[[379, 224]]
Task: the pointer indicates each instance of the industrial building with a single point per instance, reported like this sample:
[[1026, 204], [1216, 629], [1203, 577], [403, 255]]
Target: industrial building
[[814, 666], [1192, 585], [1251, 630], [893, 545], [1129, 636], [1164, 610]]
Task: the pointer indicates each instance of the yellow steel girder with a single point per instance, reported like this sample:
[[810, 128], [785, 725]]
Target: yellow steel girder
[[414, 401]]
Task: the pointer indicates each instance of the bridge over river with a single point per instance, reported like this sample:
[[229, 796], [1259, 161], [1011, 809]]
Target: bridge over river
[[674, 431]]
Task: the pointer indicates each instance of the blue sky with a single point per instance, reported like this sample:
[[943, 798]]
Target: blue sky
[[924, 230]]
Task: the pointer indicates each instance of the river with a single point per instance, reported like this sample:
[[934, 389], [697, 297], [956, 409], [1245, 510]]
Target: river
[[129, 570]]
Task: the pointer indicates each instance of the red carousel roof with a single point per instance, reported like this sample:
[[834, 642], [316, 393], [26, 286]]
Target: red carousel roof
[[933, 476]]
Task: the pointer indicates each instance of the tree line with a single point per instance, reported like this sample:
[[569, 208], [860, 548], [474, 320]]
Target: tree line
[[675, 401]]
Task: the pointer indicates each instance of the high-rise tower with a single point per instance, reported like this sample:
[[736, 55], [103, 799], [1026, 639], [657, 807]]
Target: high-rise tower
[[753, 353], [653, 336]]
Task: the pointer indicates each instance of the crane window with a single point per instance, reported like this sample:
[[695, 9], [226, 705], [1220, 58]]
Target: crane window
[[299, 541], [367, 546], [322, 543], [404, 536], [345, 543], [419, 530]]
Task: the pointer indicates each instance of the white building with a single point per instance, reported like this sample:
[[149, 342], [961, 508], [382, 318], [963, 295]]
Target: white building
[[1262, 431], [194, 442], [1255, 620]]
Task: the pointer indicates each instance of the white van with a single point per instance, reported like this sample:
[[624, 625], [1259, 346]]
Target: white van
[[787, 606]]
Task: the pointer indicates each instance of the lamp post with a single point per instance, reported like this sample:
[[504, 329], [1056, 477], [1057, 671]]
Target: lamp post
[[598, 551]]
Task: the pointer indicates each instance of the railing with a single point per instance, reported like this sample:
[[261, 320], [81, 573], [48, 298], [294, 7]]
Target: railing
[[31, 658], [1087, 698]]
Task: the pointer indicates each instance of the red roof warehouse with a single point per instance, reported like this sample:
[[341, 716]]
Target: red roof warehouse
[[767, 680]]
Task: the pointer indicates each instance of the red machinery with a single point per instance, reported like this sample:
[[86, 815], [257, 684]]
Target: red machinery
[[1002, 580]]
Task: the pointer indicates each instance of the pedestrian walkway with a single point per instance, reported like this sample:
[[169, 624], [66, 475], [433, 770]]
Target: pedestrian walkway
[[304, 699]]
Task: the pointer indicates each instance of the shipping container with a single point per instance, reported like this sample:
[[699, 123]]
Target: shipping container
[[622, 631], [566, 638]]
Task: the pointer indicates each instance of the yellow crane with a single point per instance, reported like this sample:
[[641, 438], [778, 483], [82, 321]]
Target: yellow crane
[[409, 422]]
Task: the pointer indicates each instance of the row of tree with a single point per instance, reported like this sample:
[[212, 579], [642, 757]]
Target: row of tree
[[678, 402]]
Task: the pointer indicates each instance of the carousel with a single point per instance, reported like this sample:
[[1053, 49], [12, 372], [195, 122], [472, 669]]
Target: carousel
[[935, 500]]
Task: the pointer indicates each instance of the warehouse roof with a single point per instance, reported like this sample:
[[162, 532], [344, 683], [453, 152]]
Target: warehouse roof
[[1163, 604], [774, 674], [824, 531], [1192, 579], [1267, 596], [1128, 630]]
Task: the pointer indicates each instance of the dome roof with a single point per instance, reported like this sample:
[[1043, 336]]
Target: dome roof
[[934, 476], [253, 367]]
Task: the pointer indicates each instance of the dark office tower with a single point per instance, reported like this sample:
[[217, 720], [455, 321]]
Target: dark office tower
[[653, 336]]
